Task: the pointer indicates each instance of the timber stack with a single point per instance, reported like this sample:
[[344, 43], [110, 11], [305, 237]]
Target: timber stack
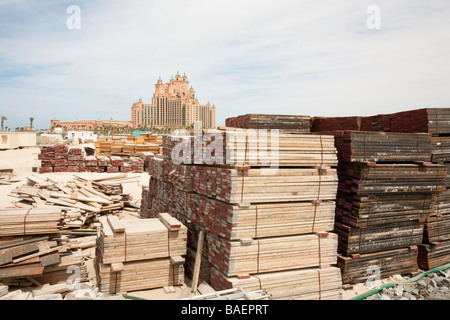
[[283, 123], [435, 250], [254, 215], [387, 189], [61, 158], [31, 250], [139, 254]]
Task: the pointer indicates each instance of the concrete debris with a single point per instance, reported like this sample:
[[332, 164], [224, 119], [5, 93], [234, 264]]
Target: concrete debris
[[434, 286]]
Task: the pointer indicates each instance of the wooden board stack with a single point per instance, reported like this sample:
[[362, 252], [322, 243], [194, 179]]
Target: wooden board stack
[[359, 267], [362, 146], [81, 199], [284, 123], [323, 124], [381, 209], [243, 208], [31, 250], [301, 284], [435, 250], [263, 185], [140, 254], [60, 158], [428, 120]]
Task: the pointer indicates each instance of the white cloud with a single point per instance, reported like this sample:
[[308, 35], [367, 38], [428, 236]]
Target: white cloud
[[298, 57]]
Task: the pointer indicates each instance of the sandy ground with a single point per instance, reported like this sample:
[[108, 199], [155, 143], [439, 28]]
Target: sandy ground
[[23, 160]]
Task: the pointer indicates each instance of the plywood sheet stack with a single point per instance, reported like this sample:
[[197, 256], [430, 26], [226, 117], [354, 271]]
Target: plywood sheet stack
[[140, 254], [383, 200]]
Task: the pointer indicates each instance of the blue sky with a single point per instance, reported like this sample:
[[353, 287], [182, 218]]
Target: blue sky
[[313, 58]]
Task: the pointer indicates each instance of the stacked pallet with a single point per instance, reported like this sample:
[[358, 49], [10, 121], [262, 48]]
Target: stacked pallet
[[140, 254], [284, 123]]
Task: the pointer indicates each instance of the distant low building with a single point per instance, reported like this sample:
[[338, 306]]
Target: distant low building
[[80, 136], [89, 124]]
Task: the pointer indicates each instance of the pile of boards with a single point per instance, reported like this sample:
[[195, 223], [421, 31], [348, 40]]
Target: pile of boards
[[7, 176], [139, 254], [283, 123], [387, 189], [82, 199], [435, 121], [259, 223], [31, 250], [61, 158], [130, 144]]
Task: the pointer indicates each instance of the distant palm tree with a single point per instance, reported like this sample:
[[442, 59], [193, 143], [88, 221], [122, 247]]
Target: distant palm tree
[[31, 122], [3, 120]]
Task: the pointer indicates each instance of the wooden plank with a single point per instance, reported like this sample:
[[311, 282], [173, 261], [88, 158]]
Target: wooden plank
[[198, 261]]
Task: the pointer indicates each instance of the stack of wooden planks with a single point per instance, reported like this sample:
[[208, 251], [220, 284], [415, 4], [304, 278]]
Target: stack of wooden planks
[[361, 146], [440, 149], [59, 158], [140, 254], [381, 208], [301, 284], [265, 185], [284, 123], [427, 120], [82, 199], [130, 144], [435, 250], [37, 256], [359, 267], [235, 222], [7, 176], [17, 221], [242, 147], [252, 216], [254, 256], [323, 124]]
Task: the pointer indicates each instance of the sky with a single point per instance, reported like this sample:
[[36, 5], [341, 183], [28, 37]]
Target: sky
[[305, 57]]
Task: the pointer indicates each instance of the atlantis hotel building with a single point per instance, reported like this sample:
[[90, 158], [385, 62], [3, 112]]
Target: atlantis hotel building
[[174, 105]]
